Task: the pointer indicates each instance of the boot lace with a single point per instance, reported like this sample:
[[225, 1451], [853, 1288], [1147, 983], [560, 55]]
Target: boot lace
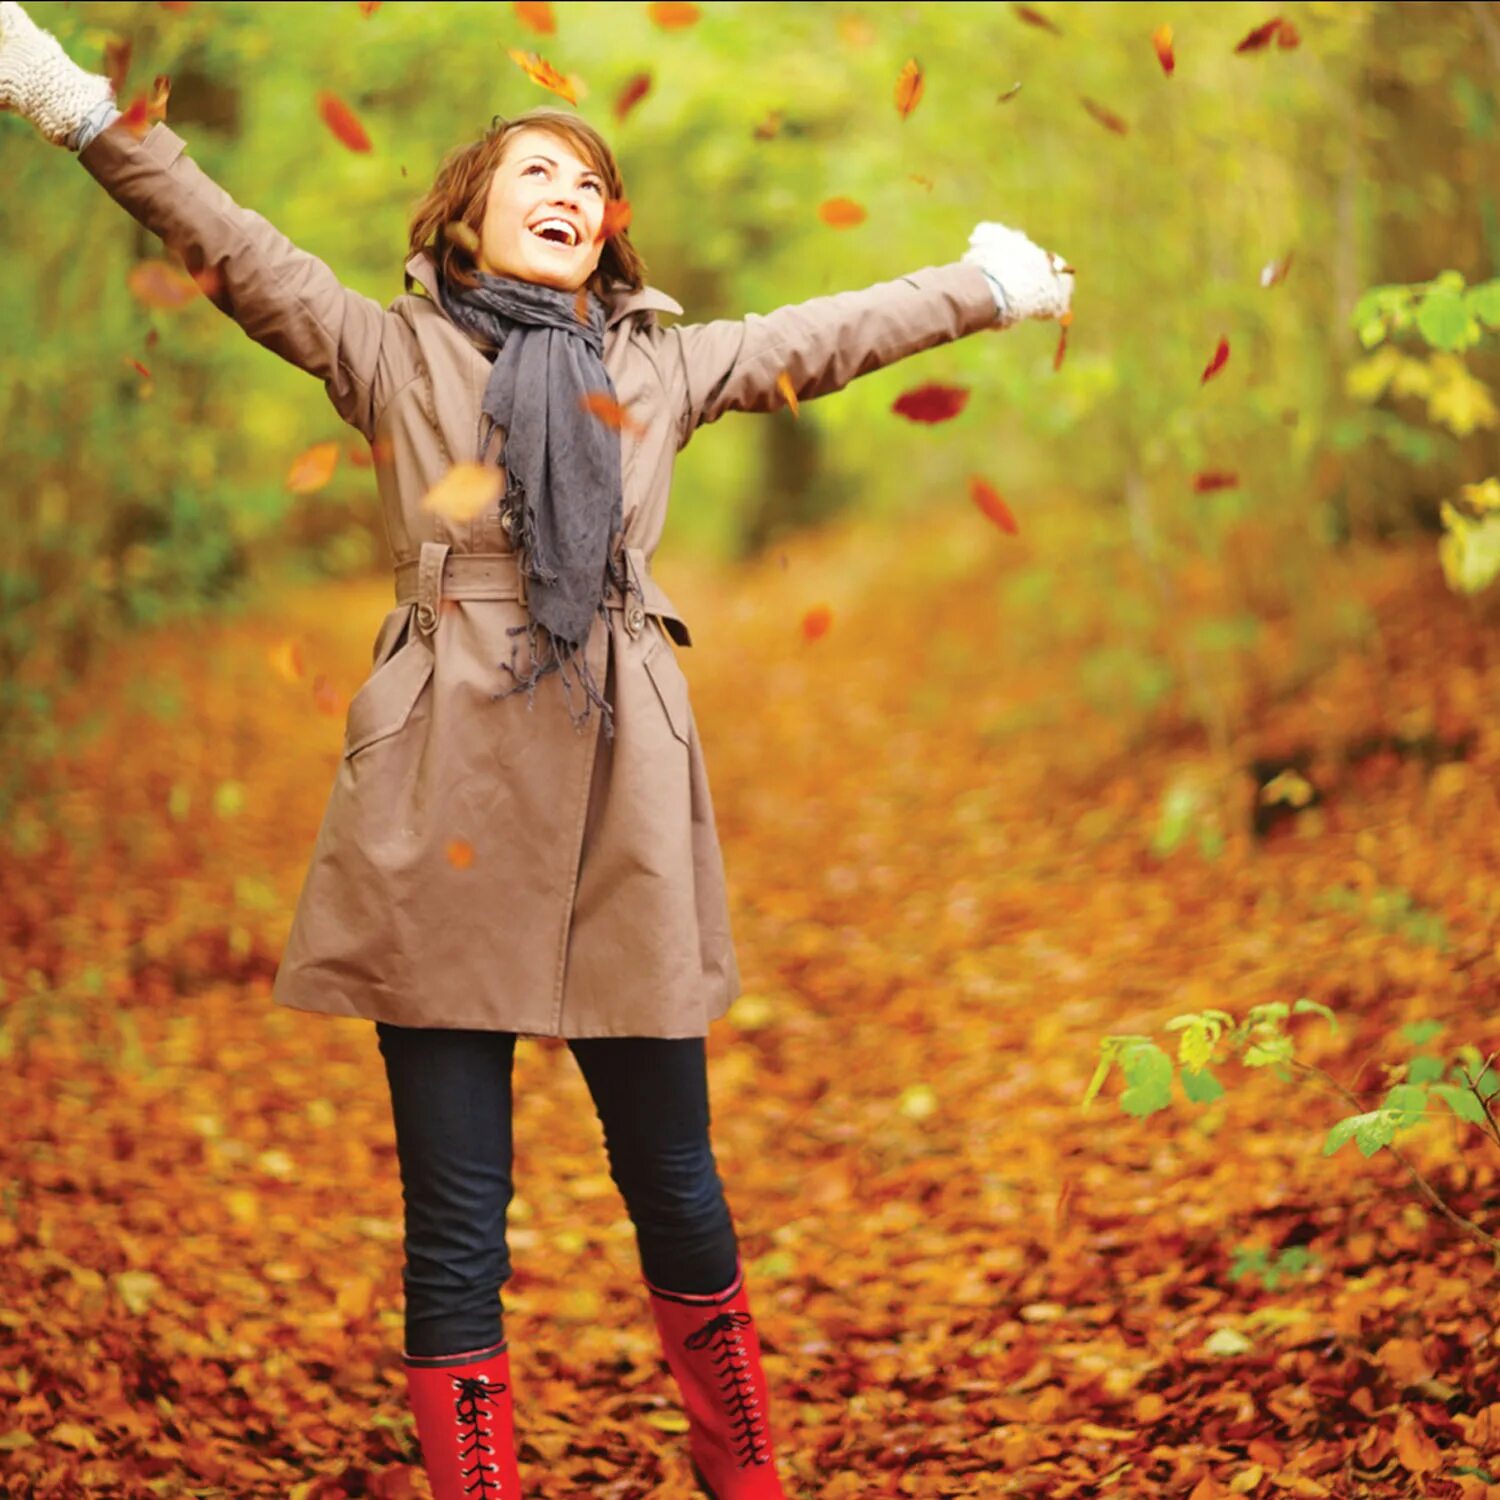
[[471, 1392], [736, 1384]]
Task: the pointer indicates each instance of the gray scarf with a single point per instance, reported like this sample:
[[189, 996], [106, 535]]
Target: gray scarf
[[562, 496]]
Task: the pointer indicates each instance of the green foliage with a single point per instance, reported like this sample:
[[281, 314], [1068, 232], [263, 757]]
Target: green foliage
[[1294, 1261], [1392, 910]]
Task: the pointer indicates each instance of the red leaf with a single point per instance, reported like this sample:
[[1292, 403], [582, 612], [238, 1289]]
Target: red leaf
[[615, 221], [909, 83], [1062, 343], [1215, 479], [341, 120], [1161, 39], [816, 622], [931, 403], [987, 498], [636, 87], [1036, 18], [1287, 36], [1106, 117], [1253, 41], [1221, 355]]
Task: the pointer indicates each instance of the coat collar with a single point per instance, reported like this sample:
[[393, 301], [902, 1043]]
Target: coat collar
[[620, 303]]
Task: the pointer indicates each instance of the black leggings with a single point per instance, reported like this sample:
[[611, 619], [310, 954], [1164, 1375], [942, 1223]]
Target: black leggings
[[451, 1098]]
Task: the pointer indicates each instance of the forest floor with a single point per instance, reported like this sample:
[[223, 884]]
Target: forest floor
[[951, 874]]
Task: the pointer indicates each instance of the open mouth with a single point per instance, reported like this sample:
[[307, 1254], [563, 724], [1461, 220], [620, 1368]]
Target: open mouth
[[556, 232]]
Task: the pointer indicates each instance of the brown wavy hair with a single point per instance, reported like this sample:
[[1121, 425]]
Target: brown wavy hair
[[461, 188]]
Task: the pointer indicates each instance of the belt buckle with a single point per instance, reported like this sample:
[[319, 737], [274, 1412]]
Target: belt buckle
[[635, 614]]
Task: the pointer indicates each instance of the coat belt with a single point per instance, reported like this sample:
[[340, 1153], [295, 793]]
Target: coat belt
[[440, 573]]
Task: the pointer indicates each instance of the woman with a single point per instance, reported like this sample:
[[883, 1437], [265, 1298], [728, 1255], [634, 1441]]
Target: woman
[[498, 858]]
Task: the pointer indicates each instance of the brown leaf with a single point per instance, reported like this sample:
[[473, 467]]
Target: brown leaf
[[1260, 37], [841, 213], [542, 73], [1215, 479], [987, 498], [1009, 94], [1036, 18], [1106, 117], [909, 83], [768, 127], [536, 15], [342, 121], [634, 89], [312, 468], [933, 402]]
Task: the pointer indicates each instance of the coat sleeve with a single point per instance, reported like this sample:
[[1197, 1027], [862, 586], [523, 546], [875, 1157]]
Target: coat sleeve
[[284, 298], [822, 344]]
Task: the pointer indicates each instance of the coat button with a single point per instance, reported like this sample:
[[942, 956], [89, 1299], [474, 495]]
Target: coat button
[[635, 617], [426, 618], [505, 522]]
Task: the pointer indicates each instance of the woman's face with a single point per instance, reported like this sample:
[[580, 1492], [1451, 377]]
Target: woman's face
[[538, 180]]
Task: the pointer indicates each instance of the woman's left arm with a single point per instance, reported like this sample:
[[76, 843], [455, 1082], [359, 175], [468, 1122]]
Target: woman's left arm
[[733, 364]]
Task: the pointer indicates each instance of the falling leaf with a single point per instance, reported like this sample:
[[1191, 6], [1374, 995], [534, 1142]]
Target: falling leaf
[[1036, 18], [673, 15], [159, 283], [785, 386], [925, 182], [1215, 479], [841, 213], [1161, 39], [667, 1421], [117, 54], [1009, 94], [1220, 355], [1275, 270], [856, 31], [462, 234], [987, 498], [138, 367], [341, 120], [541, 72], [602, 405], [1061, 351], [313, 468], [151, 338], [326, 698], [286, 660], [909, 84], [616, 219], [536, 15], [933, 402], [816, 621], [459, 853], [635, 88], [768, 127], [1287, 36], [1253, 41], [177, 5], [1106, 117], [465, 490], [367, 8]]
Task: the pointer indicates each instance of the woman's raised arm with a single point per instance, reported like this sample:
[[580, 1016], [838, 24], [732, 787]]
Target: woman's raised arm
[[283, 297], [733, 364]]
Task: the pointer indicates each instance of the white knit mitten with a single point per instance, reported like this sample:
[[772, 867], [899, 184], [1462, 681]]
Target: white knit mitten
[[40, 81], [1027, 277]]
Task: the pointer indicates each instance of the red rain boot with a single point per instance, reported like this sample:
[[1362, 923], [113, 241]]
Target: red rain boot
[[713, 1351], [463, 1409]]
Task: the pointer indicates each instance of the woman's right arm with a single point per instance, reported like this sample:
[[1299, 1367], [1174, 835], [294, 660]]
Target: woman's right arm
[[283, 297]]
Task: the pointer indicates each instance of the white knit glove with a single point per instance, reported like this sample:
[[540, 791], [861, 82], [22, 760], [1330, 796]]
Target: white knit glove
[[1027, 279], [41, 82]]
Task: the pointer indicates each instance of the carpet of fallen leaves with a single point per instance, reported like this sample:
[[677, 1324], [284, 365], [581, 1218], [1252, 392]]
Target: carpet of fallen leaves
[[943, 896]]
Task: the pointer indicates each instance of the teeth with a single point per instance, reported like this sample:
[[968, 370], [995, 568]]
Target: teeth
[[561, 224]]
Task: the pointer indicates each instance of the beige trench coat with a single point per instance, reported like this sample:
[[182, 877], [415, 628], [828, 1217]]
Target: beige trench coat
[[483, 863]]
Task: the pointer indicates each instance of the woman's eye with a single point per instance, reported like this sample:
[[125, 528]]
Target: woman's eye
[[536, 166]]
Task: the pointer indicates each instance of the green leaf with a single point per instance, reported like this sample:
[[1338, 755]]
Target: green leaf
[[1444, 320], [1424, 1069], [1302, 1006], [1419, 1033], [1148, 1073], [1462, 1102], [1200, 1085], [1484, 302]]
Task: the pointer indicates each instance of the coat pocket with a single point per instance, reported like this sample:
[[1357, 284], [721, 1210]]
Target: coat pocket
[[385, 701], [671, 687]]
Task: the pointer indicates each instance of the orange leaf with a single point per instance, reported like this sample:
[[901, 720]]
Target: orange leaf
[[909, 84], [1275, 270], [464, 491], [1253, 41], [841, 213], [541, 72], [341, 120], [368, 7], [855, 31], [636, 87], [1215, 479], [1287, 36], [135, 118], [537, 15], [1221, 354], [313, 468], [933, 402], [1106, 117], [1036, 18], [616, 219], [159, 283], [1161, 39], [602, 405], [286, 659], [138, 367], [768, 127], [784, 385], [673, 15], [987, 498], [460, 853], [816, 622], [326, 697]]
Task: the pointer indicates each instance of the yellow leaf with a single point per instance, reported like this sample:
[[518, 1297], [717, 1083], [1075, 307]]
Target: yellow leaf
[[667, 1421], [464, 491], [312, 469]]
